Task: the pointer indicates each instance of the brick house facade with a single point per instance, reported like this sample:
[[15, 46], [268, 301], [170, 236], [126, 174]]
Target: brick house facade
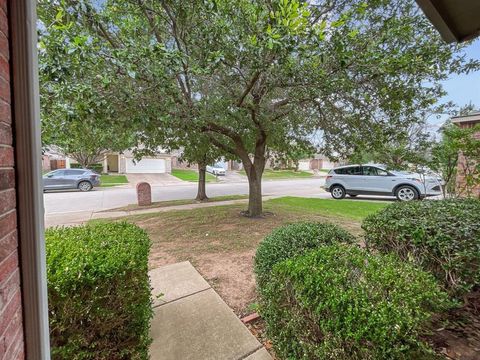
[[11, 338], [467, 121]]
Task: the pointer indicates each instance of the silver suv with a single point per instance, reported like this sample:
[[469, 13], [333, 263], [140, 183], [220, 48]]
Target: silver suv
[[82, 179], [356, 180]]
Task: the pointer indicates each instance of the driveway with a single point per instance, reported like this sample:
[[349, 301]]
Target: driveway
[[153, 179]]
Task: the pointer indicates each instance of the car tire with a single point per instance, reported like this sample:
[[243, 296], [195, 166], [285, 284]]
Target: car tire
[[338, 192], [84, 186], [406, 193]]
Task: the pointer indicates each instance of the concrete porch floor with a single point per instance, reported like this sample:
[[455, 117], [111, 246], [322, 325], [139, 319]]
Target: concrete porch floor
[[192, 322]]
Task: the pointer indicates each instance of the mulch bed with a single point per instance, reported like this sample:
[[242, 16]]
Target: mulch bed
[[457, 333]]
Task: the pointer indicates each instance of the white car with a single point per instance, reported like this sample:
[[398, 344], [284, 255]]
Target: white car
[[356, 180], [216, 169]]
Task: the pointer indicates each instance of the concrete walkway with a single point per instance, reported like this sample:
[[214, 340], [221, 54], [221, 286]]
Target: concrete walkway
[[153, 179], [192, 322]]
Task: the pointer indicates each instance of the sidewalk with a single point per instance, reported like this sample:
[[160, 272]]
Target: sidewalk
[[81, 217], [191, 322]]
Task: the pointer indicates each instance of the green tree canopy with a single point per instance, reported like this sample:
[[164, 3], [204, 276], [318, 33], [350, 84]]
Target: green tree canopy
[[255, 75]]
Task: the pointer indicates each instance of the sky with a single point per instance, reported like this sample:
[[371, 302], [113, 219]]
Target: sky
[[463, 89]]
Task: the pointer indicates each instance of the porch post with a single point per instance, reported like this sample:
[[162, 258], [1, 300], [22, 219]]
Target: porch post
[[26, 120]]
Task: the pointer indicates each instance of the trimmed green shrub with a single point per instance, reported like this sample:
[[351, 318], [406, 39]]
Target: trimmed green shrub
[[99, 291], [442, 237], [292, 240], [342, 302]]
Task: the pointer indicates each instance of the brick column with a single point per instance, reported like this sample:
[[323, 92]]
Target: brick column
[[11, 330]]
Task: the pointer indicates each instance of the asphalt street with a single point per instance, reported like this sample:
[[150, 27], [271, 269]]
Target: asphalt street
[[72, 201]]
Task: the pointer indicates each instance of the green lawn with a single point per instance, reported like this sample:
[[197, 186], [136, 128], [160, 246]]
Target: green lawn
[[353, 209], [190, 175], [112, 180], [269, 174]]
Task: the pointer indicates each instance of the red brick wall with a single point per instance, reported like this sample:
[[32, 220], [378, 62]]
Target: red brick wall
[[11, 331], [461, 186]]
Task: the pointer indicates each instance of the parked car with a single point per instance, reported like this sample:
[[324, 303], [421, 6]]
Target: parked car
[[82, 179], [216, 169], [356, 180]]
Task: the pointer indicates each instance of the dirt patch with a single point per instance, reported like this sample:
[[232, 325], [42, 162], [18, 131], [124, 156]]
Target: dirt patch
[[221, 244], [231, 276], [457, 333]]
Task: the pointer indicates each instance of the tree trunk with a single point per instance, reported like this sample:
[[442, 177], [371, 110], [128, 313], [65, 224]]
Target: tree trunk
[[254, 174], [201, 191], [255, 206]]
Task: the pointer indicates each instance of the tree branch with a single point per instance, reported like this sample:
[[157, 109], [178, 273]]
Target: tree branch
[[248, 88]]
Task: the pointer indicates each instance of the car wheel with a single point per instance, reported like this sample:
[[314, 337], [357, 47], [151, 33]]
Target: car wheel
[[337, 192], [85, 186], [352, 195], [406, 193]]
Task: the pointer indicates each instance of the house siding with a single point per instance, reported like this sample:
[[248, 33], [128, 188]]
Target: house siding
[[11, 329]]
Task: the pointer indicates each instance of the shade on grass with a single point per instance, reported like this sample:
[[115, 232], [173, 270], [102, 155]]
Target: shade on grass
[[269, 174], [354, 209], [190, 175]]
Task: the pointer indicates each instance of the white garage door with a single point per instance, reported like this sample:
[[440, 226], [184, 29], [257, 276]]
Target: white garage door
[[146, 166], [304, 165]]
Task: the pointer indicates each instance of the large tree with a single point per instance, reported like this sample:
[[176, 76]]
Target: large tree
[[80, 106], [259, 75], [408, 148]]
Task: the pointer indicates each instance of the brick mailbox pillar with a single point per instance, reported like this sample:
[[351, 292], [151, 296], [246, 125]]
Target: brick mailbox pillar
[[144, 194]]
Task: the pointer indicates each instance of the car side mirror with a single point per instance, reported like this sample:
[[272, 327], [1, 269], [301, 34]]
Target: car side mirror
[[49, 176]]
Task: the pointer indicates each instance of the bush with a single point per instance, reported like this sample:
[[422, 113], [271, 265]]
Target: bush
[[442, 237], [341, 302], [98, 291], [293, 240]]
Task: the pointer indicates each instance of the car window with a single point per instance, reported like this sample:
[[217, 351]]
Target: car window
[[353, 170], [373, 171], [57, 173], [74, 172]]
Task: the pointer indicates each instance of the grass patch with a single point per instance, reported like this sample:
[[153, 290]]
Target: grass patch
[[112, 180], [269, 174], [221, 243], [167, 203], [352, 209], [190, 175]]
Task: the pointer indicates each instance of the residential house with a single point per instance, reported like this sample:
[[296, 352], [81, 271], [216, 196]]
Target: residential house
[[465, 122], [125, 163], [318, 162]]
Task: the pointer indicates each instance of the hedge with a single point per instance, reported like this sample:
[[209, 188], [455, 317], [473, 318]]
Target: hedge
[[442, 237], [293, 240], [98, 291], [342, 302]]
